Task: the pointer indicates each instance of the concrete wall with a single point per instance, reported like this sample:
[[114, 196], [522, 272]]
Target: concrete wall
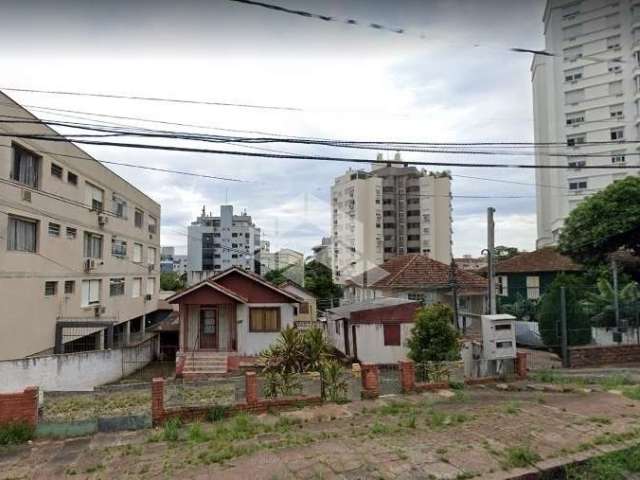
[[73, 371], [252, 343], [27, 316]]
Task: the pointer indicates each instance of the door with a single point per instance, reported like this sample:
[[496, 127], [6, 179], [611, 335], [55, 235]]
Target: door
[[208, 328], [354, 339]]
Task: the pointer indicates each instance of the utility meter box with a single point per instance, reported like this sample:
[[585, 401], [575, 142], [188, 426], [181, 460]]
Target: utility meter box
[[498, 336]]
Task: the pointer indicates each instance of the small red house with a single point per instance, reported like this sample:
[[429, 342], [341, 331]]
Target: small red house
[[230, 316]]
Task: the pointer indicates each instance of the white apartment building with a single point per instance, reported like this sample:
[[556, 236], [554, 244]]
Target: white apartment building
[[77, 243], [589, 92], [391, 210], [292, 260], [217, 243]]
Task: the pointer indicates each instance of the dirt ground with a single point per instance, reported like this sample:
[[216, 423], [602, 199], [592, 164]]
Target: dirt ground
[[476, 432]]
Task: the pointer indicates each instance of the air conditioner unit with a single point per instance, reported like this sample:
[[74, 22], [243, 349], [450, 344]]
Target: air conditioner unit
[[89, 264], [151, 267], [147, 297], [99, 310], [26, 195], [103, 220]]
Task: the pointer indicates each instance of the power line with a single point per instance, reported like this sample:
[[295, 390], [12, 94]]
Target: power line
[[153, 99]]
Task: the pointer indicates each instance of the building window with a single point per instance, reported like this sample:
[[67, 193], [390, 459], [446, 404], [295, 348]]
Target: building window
[[22, 234], [54, 229], [91, 292], [578, 185], [25, 167], [613, 43], [92, 245], [72, 233], [533, 287], [151, 286], [615, 88], [573, 140], [417, 297], [138, 218], [151, 255], [571, 32], [572, 54], [413, 213], [614, 66], [69, 287], [116, 287], [94, 197], [72, 178], [118, 248], [575, 118], [413, 189], [304, 308], [50, 288], [576, 163], [153, 225], [618, 157], [573, 75], [136, 290], [502, 285], [137, 253], [119, 206], [413, 237], [56, 170], [391, 334], [617, 133], [264, 319], [616, 111]]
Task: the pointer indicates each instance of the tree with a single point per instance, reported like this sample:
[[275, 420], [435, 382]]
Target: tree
[[549, 313], [600, 305], [277, 275], [522, 308], [503, 253], [171, 281], [604, 223], [433, 337], [318, 279]]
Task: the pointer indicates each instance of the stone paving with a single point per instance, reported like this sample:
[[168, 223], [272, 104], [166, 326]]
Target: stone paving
[[481, 432]]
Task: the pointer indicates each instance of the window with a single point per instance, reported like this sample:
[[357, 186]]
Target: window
[[615, 88], [577, 164], [387, 189], [137, 253], [116, 287], [573, 74], [616, 111], [613, 43], [151, 286], [72, 233], [391, 334], [613, 21], [413, 237], [50, 288], [69, 287], [570, 33], [578, 185], [617, 133], [56, 170], [533, 287], [118, 248], [575, 118], [264, 319], [618, 157], [570, 12], [152, 225], [151, 255], [413, 225], [388, 213], [91, 292], [92, 245], [22, 234], [138, 218], [413, 213], [119, 206], [94, 197], [413, 189], [387, 201], [388, 225], [418, 297], [337, 327], [636, 56], [573, 140], [574, 96], [304, 308], [136, 290], [54, 229], [72, 178], [572, 54], [614, 66], [502, 285], [413, 201], [25, 167]]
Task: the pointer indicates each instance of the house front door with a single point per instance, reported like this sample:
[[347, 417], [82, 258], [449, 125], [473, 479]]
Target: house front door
[[208, 328]]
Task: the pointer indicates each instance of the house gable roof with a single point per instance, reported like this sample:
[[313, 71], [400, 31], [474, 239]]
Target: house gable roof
[[212, 285], [222, 279], [294, 285], [546, 259]]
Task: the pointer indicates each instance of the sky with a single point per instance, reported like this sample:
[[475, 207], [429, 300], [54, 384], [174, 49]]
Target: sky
[[456, 83]]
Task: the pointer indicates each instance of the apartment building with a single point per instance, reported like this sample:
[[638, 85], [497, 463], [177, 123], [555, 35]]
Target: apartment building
[[172, 262], [391, 210], [216, 243], [588, 94], [322, 252], [77, 243], [284, 258]]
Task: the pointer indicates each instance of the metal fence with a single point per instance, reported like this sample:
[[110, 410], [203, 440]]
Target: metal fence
[[389, 379], [204, 393]]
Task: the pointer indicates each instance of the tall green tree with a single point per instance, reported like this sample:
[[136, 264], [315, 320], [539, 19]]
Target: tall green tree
[[433, 336], [172, 282], [604, 223], [277, 275], [318, 279]]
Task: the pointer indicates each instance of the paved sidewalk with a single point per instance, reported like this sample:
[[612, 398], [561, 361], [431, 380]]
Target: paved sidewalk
[[481, 432]]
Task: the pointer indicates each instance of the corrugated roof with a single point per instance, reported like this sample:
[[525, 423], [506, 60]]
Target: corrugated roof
[[345, 310]]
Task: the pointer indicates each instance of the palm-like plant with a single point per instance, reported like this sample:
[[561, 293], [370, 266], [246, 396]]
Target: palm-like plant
[[601, 304], [316, 349], [521, 308]]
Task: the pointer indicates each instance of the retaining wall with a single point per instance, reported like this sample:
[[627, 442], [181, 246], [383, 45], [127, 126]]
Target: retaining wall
[[19, 407], [595, 356]]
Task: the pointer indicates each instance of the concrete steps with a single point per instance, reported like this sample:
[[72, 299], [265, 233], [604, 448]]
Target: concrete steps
[[205, 363]]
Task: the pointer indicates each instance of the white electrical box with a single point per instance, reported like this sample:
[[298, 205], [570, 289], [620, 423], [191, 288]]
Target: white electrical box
[[498, 336]]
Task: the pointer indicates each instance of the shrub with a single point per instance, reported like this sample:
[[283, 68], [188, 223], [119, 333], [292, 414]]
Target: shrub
[[433, 337], [171, 430], [334, 386], [217, 413], [14, 433]]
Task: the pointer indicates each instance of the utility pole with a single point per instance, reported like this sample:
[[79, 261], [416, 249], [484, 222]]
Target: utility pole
[[491, 265], [453, 281], [616, 303]]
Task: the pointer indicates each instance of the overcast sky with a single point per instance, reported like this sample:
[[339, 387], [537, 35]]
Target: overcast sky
[[459, 83]]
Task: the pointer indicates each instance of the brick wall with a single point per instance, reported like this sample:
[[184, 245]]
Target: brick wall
[[370, 380], [594, 356], [19, 407]]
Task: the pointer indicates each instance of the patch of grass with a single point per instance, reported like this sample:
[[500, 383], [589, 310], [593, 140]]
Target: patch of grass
[[395, 408], [379, 429], [409, 421], [512, 407], [632, 392], [171, 430], [94, 468], [519, 457], [599, 420], [217, 413], [15, 433], [195, 433], [613, 466], [438, 420], [284, 424]]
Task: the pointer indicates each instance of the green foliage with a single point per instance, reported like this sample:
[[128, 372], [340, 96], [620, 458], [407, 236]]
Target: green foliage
[[217, 413], [277, 275], [604, 223], [171, 281], [522, 308], [600, 304], [519, 457], [549, 314], [334, 385], [14, 433], [171, 430], [433, 337], [318, 279]]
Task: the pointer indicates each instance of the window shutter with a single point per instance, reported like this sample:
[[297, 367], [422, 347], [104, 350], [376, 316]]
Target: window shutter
[[391, 334]]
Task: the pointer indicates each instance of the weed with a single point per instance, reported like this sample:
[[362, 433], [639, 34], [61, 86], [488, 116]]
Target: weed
[[94, 468], [409, 421], [284, 424], [395, 408], [217, 413], [171, 430], [70, 471], [144, 469], [519, 457], [14, 433], [512, 407], [599, 420], [379, 429], [195, 433]]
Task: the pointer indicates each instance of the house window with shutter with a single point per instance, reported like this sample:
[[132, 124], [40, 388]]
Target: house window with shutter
[[304, 308], [391, 334], [264, 319]]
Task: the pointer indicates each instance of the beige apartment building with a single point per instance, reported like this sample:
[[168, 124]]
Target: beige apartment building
[[392, 210], [77, 243]]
